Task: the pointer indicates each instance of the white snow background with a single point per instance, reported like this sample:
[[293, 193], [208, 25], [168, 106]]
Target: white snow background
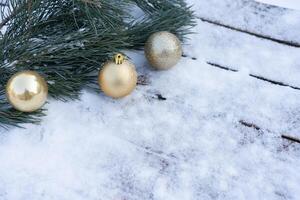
[[189, 147]]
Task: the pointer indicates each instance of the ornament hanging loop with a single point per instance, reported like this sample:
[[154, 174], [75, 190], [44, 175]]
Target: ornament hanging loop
[[119, 59]]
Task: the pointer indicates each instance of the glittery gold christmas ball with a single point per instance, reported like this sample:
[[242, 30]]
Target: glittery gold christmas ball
[[119, 78], [27, 91], [163, 50]]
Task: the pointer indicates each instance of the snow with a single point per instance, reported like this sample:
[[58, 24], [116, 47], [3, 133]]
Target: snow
[[231, 46], [251, 16], [189, 147], [294, 4]]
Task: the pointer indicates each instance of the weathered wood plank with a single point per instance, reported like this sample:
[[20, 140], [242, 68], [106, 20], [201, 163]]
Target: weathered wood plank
[[259, 35], [285, 136], [273, 23], [254, 76], [239, 52]]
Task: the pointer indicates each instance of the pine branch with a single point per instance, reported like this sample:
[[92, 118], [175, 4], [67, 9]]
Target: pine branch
[[12, 8], [67, 41], [7, 19], [174, 16]]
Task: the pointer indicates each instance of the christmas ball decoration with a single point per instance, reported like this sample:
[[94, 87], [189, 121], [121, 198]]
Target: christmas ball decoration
[[119, 78], [163, 50], [27, 91]]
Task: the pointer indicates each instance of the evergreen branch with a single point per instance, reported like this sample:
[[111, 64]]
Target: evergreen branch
[[67, 41], [171, 15], [7, 19]]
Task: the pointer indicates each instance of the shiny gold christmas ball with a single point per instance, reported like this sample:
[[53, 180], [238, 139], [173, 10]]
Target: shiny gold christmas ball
[[163, 50], [119, 78], [27, 91]]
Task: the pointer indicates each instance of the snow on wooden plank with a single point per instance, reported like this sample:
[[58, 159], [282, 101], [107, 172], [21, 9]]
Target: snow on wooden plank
[[293, 4], [239, 52], [257, 19], [189, 145], [262, 105]]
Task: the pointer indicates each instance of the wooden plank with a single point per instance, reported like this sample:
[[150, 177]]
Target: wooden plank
[[292, 4], [268, 22], [280, 108], [254, 76], [285, 136], [239, 52], [252, 33]]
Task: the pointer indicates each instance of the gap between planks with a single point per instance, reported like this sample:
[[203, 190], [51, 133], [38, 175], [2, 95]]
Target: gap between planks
[[213, 64], [254, 76], [257, 128], [261, 36], [252, 125]]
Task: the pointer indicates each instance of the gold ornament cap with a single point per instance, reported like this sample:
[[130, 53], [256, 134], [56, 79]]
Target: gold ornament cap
[[163, 50], [27, 91], [119, 59], [118, 78]]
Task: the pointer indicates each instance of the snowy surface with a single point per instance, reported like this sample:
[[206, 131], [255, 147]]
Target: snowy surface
[[189, 147], [240, 51], [249, 15], [293, 4]]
